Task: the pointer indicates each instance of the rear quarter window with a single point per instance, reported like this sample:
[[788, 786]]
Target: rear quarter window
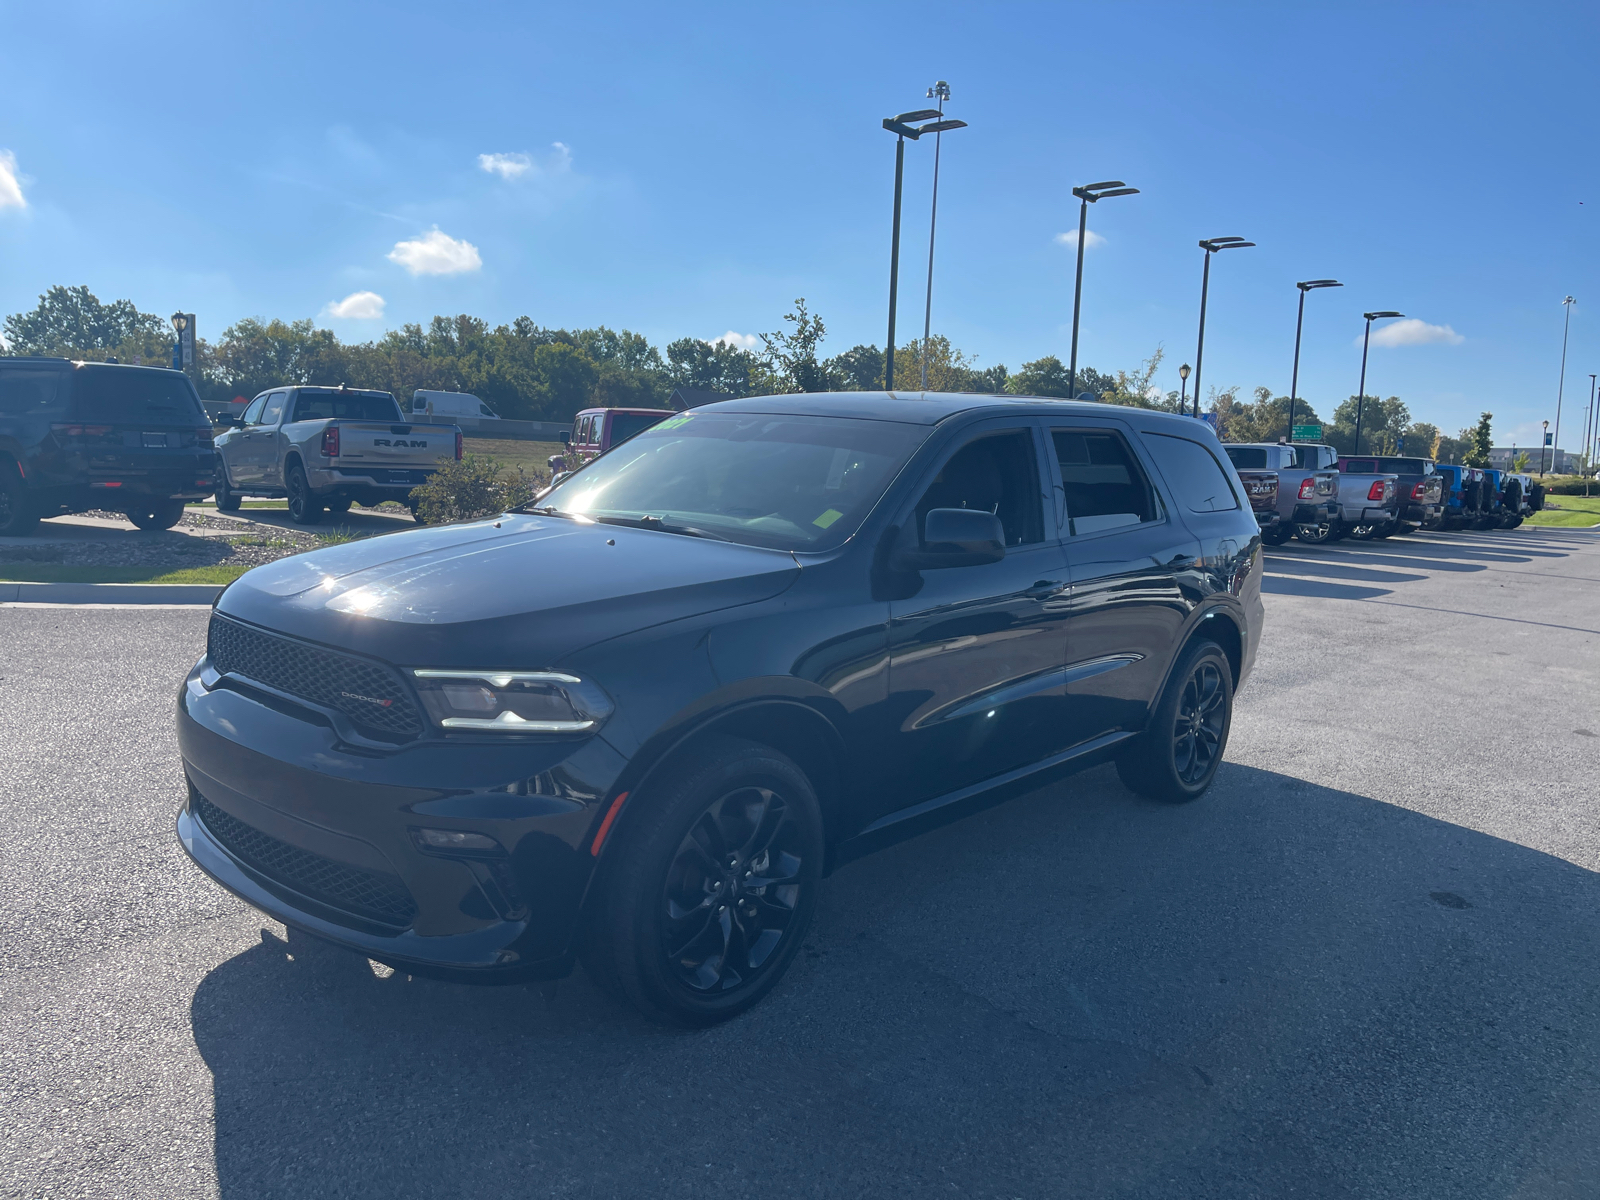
[[135, 396], [26, 394], [1193, 472]]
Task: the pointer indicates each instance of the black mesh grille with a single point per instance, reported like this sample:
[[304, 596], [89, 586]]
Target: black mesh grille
[[375, 895], [371, 695]]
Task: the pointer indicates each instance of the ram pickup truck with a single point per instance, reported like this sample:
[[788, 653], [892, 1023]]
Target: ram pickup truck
[[1367, 505], [324, 448], [1420, 487], [1284, 493]]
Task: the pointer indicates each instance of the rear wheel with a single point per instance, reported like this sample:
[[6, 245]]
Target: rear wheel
[[1177, 756], [304, 508], [157, 514], [1363, 533], [18, 515], [706, 897], [1511, 522], [1315, 535]]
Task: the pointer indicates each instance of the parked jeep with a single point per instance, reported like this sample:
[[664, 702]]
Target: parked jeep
[[76, 436], [596, 430]]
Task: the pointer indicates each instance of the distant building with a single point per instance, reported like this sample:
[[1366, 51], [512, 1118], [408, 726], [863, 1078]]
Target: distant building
[[1562, 462]]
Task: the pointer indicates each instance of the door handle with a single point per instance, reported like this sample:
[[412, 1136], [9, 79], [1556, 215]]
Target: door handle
[[1045, 588]]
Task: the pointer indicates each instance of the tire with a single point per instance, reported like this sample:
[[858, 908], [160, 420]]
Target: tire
[[683, 938], [1315, 535], [157, 514], [19, 516], [304, 508], [1362, 533], [1511, 522], [1175, 759], [1379, 532], [227, 499]]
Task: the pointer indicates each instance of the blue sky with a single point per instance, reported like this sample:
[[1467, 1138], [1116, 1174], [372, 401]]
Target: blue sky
[[690, 169]]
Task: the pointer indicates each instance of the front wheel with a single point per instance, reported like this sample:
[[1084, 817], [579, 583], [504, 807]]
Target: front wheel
[[1177, 756], [340, 506], [227, 499], [158, 514], [706, 897], [304, 508]]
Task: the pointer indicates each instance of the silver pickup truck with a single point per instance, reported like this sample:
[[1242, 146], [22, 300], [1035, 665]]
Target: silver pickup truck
[[1366, 505], [1283, 493], [324, 448]]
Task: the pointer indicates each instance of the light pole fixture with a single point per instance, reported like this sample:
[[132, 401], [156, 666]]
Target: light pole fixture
[[1089, 193], [902, 128], [1183, 379], [1561, 386], [1309, 285], [1361, 392], [940, 92], [1210, 246], [180, 322]]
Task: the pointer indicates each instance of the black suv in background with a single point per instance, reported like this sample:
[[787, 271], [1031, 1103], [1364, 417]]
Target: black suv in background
[[76, 436], [640, 720]]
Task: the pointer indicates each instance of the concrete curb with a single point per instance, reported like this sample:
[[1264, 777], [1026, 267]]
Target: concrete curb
[[108, 593]]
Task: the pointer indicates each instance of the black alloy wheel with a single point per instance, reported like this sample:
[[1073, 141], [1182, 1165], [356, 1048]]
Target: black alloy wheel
[[18, 516], [706, 895], [227, 499], [304, 508], [157, 514], [1177, 756]]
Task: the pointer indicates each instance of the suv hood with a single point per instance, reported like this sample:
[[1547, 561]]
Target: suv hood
[[525, 591]]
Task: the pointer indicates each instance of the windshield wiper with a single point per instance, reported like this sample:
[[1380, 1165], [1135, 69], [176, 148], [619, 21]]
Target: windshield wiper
[[664, 525]]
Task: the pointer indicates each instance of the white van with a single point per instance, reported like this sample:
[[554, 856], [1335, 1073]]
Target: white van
[[450, 404]]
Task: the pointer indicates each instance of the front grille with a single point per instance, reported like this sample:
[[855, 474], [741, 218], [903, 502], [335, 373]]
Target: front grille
[[375, 895], [371, 695]]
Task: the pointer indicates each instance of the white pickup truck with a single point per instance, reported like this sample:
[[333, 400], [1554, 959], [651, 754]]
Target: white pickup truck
[[324, 448]]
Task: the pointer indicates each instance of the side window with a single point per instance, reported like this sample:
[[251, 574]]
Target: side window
[[29, 393], [274, 408], [483, 411], [587, 426], [252, 415], [1195, 475], [1104, 485], [998, 473]]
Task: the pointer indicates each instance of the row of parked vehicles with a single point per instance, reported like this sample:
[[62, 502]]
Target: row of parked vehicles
[[1311, 492]]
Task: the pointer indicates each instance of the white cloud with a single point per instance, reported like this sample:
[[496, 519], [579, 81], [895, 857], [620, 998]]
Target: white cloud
[[10, 187], [436, 253], [357, 306], [1412, 332], [1070, 238], [513, 166], [739, 341]]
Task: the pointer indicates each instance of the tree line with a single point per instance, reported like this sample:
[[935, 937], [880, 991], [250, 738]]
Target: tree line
[[527, 371]]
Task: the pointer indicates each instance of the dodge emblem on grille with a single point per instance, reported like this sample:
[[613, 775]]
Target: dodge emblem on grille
[[367, 699]]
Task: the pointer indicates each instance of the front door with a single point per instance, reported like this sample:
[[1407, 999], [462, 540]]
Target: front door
[[267, 440], [975, 652], [240, 449]]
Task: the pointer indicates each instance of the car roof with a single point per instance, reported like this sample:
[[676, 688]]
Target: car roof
[[583, 412], [929, 408]]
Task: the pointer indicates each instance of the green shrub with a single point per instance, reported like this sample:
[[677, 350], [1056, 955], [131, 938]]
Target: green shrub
[[471, 487]]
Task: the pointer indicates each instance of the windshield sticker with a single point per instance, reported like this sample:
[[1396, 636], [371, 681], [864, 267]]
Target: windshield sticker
[[675, 422], [827, 518]]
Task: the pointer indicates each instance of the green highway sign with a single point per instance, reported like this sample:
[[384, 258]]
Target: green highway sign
[[1306, 433]]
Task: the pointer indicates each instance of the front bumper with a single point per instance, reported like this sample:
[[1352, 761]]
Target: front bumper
[[318, 833]]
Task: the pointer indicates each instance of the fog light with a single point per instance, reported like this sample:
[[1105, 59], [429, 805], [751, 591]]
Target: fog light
[[455, 839]]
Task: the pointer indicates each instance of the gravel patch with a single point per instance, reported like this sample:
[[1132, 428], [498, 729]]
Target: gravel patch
[[242, 546]]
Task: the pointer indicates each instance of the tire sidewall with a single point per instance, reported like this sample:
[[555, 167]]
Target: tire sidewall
[[1159, 746], [310, 512]]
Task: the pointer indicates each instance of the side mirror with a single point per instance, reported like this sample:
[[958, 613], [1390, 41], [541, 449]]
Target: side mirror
[[229, 421], [566, 439], [956, 537]]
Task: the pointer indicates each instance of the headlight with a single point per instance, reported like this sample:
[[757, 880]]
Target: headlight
[[512, 701]]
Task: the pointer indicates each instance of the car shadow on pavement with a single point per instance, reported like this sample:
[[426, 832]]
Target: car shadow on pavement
[[1281, 989]]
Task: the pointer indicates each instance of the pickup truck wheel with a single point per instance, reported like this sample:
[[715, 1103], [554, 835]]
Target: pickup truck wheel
[[1275, 537], [18, 517], [705, 899], [304, 508], [158, 514], [1176, 757], [227, 499], [1314, 535]]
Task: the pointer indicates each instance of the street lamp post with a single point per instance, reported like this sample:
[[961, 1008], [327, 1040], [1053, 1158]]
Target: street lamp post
[[1183, 379], [1562, 385], [1361, 392], [1299, 321], [900, 126], [1089, 193], [941, 92], [1210, 246]]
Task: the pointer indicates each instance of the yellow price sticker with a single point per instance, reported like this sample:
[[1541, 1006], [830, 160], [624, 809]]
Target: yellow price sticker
[[827, 518]]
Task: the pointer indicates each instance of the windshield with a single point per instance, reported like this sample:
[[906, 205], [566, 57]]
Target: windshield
[[625, 425], [136, 396], [347, 406], [786, 482], [1246, 457]]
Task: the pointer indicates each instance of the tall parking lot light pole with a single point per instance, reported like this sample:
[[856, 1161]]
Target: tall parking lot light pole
[[1210, 246], [941, 92], [900, 126], [1299, 321], [1562, 385], [1588, 436], [1089, 193], [1361, 392]]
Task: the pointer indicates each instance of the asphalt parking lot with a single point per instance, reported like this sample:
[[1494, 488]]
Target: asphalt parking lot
[[1367, 963]]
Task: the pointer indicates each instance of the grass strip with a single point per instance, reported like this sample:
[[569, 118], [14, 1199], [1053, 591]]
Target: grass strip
[[56, 573], [1574, 511]]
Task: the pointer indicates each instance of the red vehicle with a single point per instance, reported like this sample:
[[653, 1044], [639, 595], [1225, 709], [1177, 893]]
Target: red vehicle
[[596, 430]]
